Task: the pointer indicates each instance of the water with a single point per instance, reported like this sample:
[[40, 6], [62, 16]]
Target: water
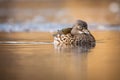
[[32, 56]]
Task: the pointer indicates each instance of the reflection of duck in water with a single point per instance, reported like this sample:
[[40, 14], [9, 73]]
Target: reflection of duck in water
[[78, 35]]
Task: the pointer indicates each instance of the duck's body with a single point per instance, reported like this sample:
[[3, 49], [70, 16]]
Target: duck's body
[[78, 35]]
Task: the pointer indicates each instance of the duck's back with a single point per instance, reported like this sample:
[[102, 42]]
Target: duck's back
[[63, 31], [63, 37]]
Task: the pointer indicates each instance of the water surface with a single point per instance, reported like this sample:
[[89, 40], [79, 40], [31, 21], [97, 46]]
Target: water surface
[[32, 56]]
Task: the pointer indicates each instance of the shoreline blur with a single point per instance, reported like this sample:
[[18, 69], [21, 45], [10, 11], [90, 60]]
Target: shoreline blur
[[53, 15], [62, 11]]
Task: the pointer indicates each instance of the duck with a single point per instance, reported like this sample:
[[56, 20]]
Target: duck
[[77, 35]]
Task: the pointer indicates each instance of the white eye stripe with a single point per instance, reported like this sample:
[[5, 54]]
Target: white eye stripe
[[80, 32]]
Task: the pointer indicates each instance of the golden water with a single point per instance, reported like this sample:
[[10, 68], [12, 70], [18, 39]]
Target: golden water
[[28, 61]]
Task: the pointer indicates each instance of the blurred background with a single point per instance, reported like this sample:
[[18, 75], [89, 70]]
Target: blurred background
[[26, 42], [32, 15]]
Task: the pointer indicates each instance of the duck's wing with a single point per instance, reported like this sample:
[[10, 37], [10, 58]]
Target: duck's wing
[[66, 30], [63, 31]]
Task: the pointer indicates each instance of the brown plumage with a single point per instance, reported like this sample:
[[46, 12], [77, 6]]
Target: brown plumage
[[78, 35]]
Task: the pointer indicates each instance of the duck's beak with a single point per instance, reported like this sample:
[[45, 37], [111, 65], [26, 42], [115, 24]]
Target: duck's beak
[[86, 31]]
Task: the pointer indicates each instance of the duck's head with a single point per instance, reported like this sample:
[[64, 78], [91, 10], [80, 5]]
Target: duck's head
[[80, 27]]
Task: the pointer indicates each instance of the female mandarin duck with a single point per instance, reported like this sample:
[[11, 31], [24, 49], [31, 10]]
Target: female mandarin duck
[[78, 35]]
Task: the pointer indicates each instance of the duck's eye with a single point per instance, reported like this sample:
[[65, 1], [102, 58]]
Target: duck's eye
[[79, 27]]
